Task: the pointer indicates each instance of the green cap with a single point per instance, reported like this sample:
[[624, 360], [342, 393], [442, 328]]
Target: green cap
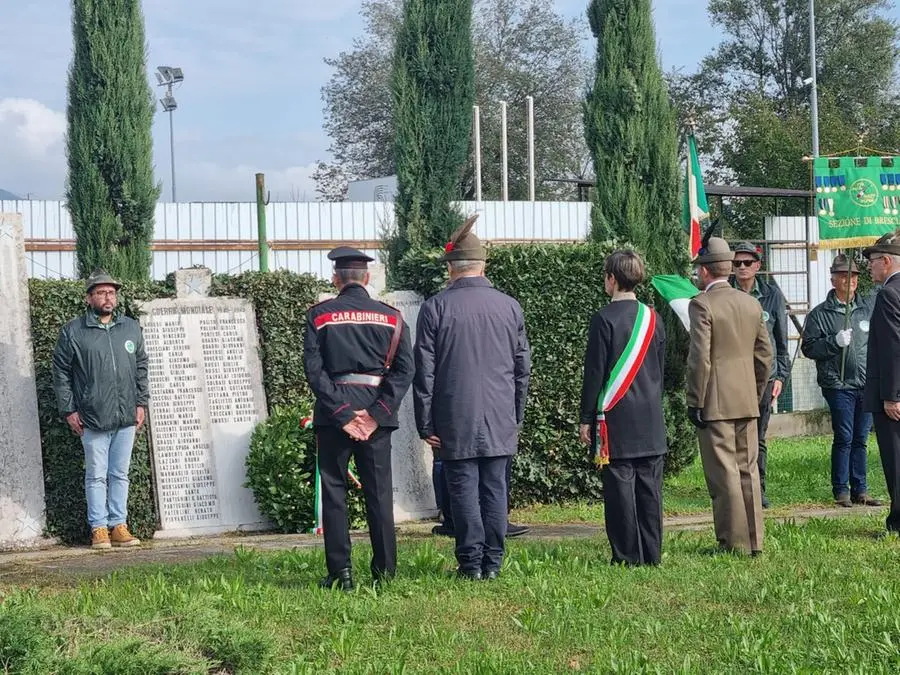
[[99, 277], [464, 245]]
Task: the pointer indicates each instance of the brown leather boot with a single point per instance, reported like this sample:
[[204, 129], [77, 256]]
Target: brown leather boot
[[843, 499], [100, 538], [121, 537]]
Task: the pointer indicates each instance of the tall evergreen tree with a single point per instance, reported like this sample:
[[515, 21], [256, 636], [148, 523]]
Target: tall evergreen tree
[[631, 135], [433, 84], [111, 191]]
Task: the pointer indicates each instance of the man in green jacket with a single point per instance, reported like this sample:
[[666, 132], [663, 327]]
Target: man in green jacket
[[100, 378], [747, 263], [827, 338]]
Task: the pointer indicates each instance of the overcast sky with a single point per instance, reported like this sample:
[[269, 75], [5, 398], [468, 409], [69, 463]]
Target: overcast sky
[[251, 96]]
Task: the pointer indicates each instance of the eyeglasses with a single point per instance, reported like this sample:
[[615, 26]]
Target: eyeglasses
[[110, 294], [744, 263], [874, 258]]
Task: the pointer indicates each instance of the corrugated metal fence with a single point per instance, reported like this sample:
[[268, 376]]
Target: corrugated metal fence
[[222, 236]]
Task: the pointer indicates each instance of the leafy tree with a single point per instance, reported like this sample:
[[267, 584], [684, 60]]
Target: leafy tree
[[331, 183], [751, 104], [433, 85], [111, 191], [522, 48]]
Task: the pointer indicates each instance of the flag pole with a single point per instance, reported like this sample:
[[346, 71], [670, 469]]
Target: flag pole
[[846, 315]]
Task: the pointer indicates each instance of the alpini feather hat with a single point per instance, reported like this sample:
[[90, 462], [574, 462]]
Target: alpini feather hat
[[464, 244]]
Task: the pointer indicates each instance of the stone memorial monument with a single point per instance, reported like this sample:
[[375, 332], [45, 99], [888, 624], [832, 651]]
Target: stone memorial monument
[[21, 470], [206, 397], [411, 457]]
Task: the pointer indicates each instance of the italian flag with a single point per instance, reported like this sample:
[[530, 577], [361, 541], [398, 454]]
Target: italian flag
[[695, 208], [677, 291]]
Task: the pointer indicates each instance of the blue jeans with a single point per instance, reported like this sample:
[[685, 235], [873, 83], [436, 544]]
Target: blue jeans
[[851, 428], [107, 456]]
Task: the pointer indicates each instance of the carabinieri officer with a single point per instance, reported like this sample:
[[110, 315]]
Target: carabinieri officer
[[359, 365]]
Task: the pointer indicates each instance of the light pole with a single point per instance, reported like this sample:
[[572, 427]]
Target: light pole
[[813, 84], [166, 77]]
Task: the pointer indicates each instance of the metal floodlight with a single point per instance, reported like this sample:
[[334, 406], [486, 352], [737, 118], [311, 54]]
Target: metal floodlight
[[165, 72], [160, 80], [168, 103], [177, 75]]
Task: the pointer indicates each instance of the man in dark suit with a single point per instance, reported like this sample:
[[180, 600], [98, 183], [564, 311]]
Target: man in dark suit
[[622, 412], [882, 392], [472, 369], [359, 365]]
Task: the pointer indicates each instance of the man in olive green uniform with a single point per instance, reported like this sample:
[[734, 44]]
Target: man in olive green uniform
[[729, 353]]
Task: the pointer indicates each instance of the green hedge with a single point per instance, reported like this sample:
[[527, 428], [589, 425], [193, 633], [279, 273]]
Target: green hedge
[[559, 287], [280, 298]]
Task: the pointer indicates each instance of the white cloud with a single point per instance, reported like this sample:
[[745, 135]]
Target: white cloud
[[32, 152], [32, 124]]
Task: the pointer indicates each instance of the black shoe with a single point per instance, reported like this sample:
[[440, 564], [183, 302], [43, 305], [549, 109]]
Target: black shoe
[[865, 500], [765, 502], [467, 575], [443, 531], [489, 575], [342, 579], [516, 530], [843, 499]]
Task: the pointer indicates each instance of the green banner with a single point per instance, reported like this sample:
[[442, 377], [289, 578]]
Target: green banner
[[857, 199]]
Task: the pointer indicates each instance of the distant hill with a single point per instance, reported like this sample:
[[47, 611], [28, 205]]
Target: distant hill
[[4, 194]]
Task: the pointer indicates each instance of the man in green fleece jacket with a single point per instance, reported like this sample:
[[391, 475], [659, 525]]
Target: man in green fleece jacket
[[827, 337], [102, 391]]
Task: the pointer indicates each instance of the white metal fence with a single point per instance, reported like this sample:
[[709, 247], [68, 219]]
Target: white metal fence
[[223, 236]]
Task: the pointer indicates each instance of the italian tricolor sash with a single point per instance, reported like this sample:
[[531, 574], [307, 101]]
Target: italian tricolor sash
[[621, 377]]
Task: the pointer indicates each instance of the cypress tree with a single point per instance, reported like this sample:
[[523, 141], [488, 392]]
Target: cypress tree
[[631, 134], [111, 191], [433, 88]]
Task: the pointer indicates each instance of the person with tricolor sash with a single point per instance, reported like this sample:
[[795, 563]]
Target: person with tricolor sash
[[622, 412]]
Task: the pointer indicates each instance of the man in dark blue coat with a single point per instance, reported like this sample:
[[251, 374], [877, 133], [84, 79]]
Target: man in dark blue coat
[[472, 369], [881, 396]]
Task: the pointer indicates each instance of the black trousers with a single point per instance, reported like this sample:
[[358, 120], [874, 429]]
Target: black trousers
[[762, 426], [887, 431], [442, 494], [373, 462], [632, 494], [478, 501]]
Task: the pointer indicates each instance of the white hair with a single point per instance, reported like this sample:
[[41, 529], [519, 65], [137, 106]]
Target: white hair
[[351, 276], [461, 266]]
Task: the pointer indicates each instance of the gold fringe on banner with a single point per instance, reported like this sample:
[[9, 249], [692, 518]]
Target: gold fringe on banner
[[850, 242]]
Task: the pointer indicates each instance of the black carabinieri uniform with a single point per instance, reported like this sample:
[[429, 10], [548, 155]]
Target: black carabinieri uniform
[[345, 355]]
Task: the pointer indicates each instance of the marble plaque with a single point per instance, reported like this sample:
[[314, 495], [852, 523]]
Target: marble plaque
[[411, 457], [21, 467], [193, 282], [206, 397]]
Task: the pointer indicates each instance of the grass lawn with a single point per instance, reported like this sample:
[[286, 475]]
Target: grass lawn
[[825, 597], [799, 474]]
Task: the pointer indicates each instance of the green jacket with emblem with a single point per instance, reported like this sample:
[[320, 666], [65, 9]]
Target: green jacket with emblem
[[819, 331], [100, 371], [776, 317]]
